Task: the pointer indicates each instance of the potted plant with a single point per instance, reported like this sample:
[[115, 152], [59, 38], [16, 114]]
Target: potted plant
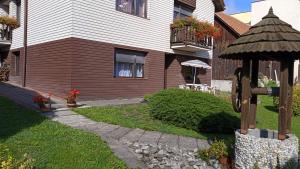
[[71, 98], [41, 101], [202, 28]]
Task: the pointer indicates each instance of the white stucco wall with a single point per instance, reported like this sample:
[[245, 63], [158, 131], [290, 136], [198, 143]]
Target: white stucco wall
[[286, 10], [98, 20]]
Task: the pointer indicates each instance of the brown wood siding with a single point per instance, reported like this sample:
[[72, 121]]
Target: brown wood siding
[[191, 3], [223, 69], [49, 67], [11, 60], [93, 72], [177, 74]]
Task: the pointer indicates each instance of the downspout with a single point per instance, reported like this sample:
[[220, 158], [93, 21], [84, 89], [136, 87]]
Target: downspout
[[25, 41]]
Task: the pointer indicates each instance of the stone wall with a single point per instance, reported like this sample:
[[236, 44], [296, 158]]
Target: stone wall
[[262, 148]]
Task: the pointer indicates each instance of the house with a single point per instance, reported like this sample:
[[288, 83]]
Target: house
[[223, 69], [107, 49], [245, 17]]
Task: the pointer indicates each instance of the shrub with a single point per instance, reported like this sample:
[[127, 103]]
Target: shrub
[[193, 110], [7, 160], [217, 150], [296, 101]]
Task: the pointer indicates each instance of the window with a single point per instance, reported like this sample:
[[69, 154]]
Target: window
[[129, 64], [17, 63], [18, 12], [181, 11], [134, 7]]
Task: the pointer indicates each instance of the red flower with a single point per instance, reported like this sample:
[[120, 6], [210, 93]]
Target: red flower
[[75, 92]]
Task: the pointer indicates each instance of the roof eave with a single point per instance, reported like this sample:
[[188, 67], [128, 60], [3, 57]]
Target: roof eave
[[219, 5]]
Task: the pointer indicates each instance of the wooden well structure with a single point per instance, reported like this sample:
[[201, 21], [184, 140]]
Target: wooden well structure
[[271, 40]]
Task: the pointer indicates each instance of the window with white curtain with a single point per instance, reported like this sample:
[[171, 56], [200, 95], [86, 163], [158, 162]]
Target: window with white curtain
[[134, 7], [129, 64]]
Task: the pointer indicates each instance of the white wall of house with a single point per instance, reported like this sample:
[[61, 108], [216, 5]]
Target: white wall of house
[[102, 22], [47, 21], [287, 10], [18, 34], [99, 20]]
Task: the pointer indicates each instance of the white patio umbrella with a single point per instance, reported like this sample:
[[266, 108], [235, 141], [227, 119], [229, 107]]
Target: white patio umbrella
[[196, 64]]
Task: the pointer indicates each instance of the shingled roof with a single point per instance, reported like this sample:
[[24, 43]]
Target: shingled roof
[[270, 39]]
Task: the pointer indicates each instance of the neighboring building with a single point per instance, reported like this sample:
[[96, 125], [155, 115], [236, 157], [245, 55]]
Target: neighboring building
[[105, 48], [223, 69], [244, 17]]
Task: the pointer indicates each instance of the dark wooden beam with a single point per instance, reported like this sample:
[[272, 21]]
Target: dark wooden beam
[[283, 100], [290, 95], [253, 101], [271, 91], [245, 96]]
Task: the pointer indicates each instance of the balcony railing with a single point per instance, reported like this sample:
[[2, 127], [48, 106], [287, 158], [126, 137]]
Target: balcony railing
[[5, 33], [186, 39]]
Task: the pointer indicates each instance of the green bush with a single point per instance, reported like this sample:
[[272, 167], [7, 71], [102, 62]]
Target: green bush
[[217, 150], [193, 110], [296, 101], [8, 161]]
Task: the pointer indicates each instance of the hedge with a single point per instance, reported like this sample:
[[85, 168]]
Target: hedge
[[193, 110]]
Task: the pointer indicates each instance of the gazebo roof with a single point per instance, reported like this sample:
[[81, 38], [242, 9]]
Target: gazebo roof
[[270, 39]]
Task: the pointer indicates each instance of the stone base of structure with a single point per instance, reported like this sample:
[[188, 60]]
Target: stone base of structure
[[261, 148]]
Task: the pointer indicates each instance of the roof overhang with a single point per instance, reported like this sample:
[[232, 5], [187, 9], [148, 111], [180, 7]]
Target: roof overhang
[[219, 5]]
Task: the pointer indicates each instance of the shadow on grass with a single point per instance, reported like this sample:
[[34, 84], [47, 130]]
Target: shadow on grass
[[272, 108], [13, 117], [220, 126]]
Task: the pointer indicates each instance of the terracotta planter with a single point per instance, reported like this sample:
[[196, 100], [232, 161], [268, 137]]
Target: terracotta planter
[[224, 161], [43, 107]]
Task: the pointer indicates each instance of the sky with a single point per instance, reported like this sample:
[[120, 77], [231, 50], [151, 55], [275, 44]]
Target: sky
[[237, 6]]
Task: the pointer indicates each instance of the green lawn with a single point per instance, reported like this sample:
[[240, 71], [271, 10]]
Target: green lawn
[[51, 144], [134, 116], [137, 116], [267, 116]]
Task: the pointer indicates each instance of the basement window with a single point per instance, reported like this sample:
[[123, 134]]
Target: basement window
[[129, 64]]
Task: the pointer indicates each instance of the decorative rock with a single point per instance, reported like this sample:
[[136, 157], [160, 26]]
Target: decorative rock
[[164, 157], [262, 148]]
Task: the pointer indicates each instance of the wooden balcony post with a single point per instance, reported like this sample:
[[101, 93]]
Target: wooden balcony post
[[245, 96], [253, 101]]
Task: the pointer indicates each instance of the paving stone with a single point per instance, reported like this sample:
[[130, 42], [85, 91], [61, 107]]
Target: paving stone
[[150, 137], [119, 133], [203, 144], [170, 140], [54, 114], [133, 136], [106, 129], [187, 143], [124, 153]]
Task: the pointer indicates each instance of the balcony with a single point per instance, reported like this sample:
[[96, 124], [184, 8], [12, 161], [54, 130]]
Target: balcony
[[186, 39], [5, 35]]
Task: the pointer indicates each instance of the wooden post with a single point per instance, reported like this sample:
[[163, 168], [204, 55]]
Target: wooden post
[[283, 100], [245, 96], [290, 95], [253, 101]]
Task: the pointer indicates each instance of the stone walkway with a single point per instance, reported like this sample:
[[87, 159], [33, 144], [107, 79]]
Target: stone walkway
[[118, 138]]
